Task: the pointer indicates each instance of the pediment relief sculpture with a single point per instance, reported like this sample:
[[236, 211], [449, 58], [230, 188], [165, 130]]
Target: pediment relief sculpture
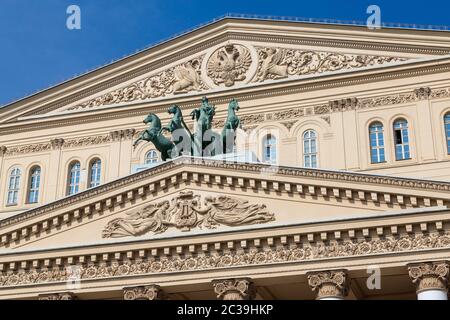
[[277, 63], [187, 211], [232, 64], [229, 64], [182, 78]]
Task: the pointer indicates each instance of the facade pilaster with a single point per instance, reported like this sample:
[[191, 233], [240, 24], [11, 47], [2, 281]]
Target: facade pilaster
[[54, 174]]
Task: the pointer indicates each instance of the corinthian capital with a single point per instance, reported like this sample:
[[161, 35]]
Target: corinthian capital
[[329, 284], [234, 289], [3, 150], [152, 292], [429, 276], [58, 296], [57, 143], [422, 93]]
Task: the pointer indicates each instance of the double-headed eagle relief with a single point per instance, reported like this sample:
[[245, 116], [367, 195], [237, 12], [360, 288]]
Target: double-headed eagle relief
[[188, 211], [229, 64], [203, 142]]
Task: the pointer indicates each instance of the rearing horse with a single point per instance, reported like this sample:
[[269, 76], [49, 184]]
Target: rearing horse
[[153, 134], [231, 124]]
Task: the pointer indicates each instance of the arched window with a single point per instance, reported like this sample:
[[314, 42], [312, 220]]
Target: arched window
[[95, 173], [269, 149], [74, 178], [151, 157], [310, 149], [376, 137], [13, 186], [401, 137], [34, 184], [447, 130]]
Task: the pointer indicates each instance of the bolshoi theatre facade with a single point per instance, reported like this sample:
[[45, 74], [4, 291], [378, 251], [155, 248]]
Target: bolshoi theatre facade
[[336, 185]]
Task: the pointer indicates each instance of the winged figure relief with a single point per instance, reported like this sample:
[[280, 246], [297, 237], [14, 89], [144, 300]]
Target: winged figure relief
[[273, 65], [229, 64], [187, 78]]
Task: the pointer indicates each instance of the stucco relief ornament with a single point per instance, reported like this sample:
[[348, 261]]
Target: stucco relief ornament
[[229, 64], [277, 63], [182, 78], [186, 212]]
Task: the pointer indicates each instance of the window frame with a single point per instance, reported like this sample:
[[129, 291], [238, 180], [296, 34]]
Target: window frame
[[34, 186], [406, 155], [15, 174], [273, 148], [447, 132], [69, 178], [378, 147], [155, 158], [310, 154], [97, 162]]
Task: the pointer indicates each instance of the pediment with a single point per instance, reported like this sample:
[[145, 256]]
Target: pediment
[[227, 55], [202, 198], [231, 65]]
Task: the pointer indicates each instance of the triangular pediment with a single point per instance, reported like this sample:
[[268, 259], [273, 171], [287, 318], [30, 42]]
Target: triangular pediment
[[227, 55], [190, 197]]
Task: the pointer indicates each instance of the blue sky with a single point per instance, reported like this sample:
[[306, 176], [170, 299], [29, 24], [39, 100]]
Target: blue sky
[[37, 50]]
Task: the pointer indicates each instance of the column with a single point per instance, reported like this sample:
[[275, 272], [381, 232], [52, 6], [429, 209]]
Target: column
[[234, 289], [151, 292], [58, 296], [329, 285], [431, 280]]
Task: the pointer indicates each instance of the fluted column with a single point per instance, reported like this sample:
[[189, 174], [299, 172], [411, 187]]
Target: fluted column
[[234, 289], [329, 285], [58, 296], [151, 292], [431, 280]]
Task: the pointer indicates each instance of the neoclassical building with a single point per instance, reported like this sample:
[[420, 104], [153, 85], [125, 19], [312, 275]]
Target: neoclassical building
[[338, 186]]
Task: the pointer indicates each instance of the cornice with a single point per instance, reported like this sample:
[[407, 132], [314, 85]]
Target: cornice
[[226, 177], [274, 248]]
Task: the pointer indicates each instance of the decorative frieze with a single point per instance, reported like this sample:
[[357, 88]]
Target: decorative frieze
[[257, 252], [277, 63], [329, 284], [430, 276], [30, 148], [151, 292], [124, 134], [182, 78], [234, 289], [58, 296], [87, 141]]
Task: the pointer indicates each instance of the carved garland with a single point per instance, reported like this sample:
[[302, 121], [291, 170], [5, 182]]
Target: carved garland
[[230, 258]]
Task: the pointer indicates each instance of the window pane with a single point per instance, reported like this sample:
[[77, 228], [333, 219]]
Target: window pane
[[13, 186]]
